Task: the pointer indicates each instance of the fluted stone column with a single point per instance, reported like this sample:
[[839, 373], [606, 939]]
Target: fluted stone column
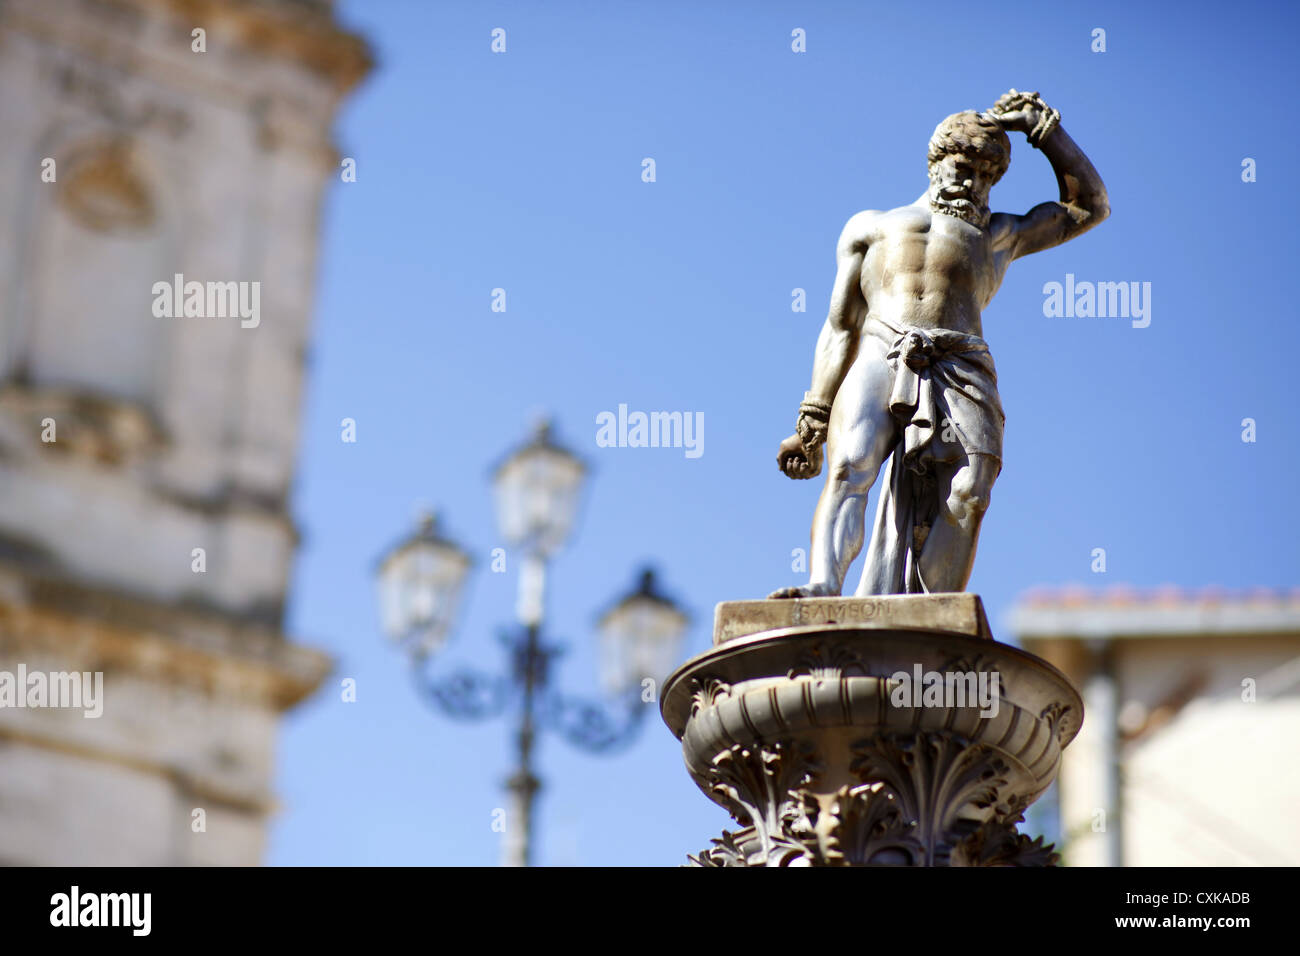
[[870, 731]]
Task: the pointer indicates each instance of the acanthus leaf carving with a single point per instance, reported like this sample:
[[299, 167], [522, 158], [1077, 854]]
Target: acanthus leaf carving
[[760, 786], [999, 843], [708, 693], [938, 778], [870, 829], [825, 661], [726, 851]]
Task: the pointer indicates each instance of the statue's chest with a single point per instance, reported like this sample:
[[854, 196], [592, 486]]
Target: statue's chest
[[940, 252], [954, 249]]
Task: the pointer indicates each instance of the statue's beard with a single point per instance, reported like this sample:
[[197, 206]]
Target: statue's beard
[[967, 210]]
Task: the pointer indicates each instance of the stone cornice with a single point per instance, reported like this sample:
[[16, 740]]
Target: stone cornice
[[198, 647], [309, 36], [259, 802]]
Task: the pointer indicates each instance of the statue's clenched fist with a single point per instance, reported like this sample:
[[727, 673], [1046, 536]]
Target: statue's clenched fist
[[796, 461]]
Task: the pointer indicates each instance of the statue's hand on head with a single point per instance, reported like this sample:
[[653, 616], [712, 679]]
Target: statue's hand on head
[[1026, 113], [796, 461]]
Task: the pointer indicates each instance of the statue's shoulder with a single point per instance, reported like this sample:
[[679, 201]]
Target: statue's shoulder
[[859, 230], [864, 221]]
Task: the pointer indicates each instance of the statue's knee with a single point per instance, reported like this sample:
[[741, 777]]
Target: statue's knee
[[967, 503], [853, 478]]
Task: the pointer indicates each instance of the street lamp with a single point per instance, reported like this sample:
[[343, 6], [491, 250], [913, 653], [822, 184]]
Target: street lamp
[[537, 489]]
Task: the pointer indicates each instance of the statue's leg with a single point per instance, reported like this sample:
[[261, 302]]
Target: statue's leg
[[860, 437], [949, 551]]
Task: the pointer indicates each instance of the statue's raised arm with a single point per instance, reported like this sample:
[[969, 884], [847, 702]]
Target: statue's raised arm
[[1083, 203]]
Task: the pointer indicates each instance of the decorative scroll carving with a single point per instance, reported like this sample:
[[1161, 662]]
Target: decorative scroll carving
[[726, 851], [94, 427], [760, 786], [999, 843], [1055, 715], [935, 777], [910, 810], [827, 661], [707, 694], [104, 189], [870, 828]]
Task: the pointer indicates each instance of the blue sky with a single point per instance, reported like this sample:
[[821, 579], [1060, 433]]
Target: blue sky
[[522, 171]]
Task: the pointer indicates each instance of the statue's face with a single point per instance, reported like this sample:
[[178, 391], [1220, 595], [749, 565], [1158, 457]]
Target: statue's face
[[959, 186]]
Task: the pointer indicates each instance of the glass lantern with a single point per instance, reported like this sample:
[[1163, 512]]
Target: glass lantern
[[420, 585], [640, 638], [537, 490]]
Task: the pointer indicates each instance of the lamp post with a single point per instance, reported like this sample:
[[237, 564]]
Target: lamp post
[[537, 489]]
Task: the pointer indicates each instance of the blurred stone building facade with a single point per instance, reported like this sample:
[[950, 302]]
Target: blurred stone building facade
[[1187, 756], [146, 461]]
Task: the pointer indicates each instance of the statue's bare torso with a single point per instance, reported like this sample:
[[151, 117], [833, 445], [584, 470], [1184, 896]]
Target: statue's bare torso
[[925, 269]]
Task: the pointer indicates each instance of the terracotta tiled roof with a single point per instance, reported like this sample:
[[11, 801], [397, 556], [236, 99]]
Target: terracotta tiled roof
[[1163, 596], [1168, 611]]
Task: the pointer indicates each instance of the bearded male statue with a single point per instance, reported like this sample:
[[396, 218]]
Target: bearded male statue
[[902, 369]]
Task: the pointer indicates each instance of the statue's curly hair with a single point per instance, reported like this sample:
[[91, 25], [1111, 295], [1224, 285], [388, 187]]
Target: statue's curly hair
[[973, 135]]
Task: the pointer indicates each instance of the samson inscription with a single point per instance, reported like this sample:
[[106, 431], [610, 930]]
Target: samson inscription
[[955, 613], [856, 610]]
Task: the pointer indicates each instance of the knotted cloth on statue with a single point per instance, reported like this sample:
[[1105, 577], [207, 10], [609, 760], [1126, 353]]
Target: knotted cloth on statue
[[945, 400]]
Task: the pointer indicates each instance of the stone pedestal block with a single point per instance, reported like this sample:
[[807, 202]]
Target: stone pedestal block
[[870, 731]]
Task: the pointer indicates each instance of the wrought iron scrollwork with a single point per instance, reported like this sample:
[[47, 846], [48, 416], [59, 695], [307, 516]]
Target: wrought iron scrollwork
[[594, 726], [466, 694]]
